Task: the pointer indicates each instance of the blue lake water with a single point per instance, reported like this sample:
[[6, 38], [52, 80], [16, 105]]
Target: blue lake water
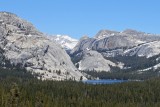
[[108, 81]]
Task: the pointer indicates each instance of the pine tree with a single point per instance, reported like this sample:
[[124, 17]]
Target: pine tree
[[81, 78], [14, 96], [39, 101]]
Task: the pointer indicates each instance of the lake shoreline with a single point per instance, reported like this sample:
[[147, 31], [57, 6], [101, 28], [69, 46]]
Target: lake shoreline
[[107, 81]]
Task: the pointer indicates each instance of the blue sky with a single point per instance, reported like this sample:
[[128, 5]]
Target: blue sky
[[87, 17]]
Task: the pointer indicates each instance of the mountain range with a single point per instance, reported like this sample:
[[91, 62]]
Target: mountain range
[[23, 46], [60, 57], [123, 50], [65, 41]]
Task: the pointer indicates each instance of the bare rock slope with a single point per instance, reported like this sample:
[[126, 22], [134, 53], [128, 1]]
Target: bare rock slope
[[94, 61], [23, 44], [112, 44]]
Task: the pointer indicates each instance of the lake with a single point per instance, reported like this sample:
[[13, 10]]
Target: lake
[[108, 81]]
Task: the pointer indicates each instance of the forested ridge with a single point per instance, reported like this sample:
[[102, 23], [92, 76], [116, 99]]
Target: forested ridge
[[134, 67], [24, 90], [124, 75]]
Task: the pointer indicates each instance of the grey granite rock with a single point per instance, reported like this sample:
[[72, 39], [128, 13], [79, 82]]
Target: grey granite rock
[[23, 43], [112, 44], [92, 60]]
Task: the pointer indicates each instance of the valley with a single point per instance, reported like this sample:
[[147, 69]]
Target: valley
[[40, 70], [19, 88], [129, 54]]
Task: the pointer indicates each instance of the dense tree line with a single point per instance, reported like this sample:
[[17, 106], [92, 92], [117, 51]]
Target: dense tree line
[[136, 62], [123, 75], [131, 70], [23, 90], [132, 65]]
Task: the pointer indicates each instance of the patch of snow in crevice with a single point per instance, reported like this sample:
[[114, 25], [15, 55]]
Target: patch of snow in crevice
[[146, 69], [120, 65], [154, 67], [157, 59]]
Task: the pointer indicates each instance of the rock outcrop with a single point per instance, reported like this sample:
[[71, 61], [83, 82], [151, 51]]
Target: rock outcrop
[[119, 42], [94, 61], [111, 44], [23, 44]]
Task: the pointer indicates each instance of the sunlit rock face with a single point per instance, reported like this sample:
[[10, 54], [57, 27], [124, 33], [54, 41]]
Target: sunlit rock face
[[23, 44], [113, 44]]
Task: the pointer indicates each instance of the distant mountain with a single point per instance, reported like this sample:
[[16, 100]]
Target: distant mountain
[[22, 45], [65, 41], [127, 49]]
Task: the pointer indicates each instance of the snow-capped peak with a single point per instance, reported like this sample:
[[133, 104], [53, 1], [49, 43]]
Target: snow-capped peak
[[65, 41], [67, 38]]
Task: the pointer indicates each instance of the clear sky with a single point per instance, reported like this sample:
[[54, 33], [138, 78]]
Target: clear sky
[[87, 17]]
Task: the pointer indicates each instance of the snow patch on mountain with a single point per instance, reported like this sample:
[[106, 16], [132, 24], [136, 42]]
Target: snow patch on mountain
[[155, 67], [65, 41]]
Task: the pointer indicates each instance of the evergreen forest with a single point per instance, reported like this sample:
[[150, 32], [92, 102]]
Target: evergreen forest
[[19, 88]]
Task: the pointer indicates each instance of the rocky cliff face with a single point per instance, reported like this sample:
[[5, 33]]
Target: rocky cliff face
[[94, 61], [113, 44], [23, 44]]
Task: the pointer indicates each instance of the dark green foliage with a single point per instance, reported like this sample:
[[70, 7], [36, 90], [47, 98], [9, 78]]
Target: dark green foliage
[[124, 75], [101, 50], [76, 57], [58, 72], [14, 96], [135, 62], [21, 91], [132, 64], [81, 78], [16, 73], [39, 100]]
